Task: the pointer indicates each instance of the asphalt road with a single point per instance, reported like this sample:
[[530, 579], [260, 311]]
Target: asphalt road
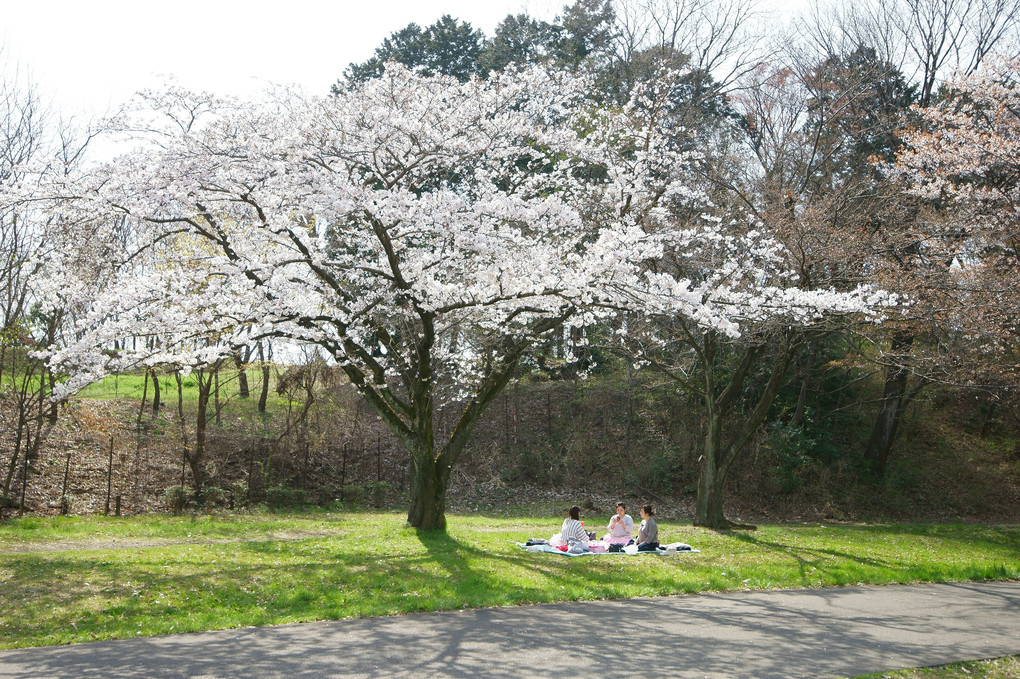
[[784, 634]]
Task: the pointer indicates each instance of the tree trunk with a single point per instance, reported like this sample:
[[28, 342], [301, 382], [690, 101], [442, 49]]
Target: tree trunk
[[709, 509], [427, 488], [718, 456], [264, 395], [54, 405], [145, 395], [242, 376], [890, 411], [805, 383], [185, 451], [155, 393], [195, 460]]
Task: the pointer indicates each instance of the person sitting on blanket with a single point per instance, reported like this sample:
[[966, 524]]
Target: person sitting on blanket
[[572, 528], [621, 527], [648, 533]]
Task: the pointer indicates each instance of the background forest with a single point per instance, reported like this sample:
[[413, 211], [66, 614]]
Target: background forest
[[872, 143]]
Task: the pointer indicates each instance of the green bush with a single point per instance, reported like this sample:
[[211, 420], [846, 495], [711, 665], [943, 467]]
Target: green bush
[[353, 495], [214, 498], [279, 497], [66, 502], [238, 494], [378, 491], [664, 470], [799, 448], [176, 498]]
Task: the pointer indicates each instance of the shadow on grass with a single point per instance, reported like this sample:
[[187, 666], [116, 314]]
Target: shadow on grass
[[78, 597], [963, 540], [797, 552]]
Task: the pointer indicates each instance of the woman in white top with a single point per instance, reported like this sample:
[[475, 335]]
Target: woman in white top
[[621, 526]]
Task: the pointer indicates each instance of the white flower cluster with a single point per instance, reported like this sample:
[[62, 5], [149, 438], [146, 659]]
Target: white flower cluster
[[414, 227]]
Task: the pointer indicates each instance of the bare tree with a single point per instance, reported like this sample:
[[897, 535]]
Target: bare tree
[[929, 40], [721, 37], [28, 133], [21, 123]]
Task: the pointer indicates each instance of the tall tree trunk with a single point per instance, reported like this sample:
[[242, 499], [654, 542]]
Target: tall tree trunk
[[242, 374], [718, 455], [427, 487], [54, 410], [145, 395], [155, 393], [264, 395], [196, 459], [24, 403], [185, 450], [708, 511], [890, 410], [805, 383]]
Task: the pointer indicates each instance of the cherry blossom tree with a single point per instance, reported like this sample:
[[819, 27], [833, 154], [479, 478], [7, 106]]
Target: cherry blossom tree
[[424, 233], [770, 310], [421, 231], [964, 156]]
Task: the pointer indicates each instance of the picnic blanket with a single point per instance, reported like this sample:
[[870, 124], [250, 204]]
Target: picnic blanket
[[665, 550]]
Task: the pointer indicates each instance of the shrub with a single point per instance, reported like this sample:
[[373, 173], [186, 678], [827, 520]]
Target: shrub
[[66, 502], [352, 494], [378, 491], [176, 498], [663, 470], [238, 494], [278, 497], [799, 448], [214, 497]]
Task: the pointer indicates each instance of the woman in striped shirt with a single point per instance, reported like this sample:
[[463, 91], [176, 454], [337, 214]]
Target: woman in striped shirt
[[572, 527]]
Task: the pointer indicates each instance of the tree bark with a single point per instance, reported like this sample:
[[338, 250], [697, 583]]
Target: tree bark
[[718, 455], [708, 511], [264, 395], [805, 383], [893, 403], [155, 393], [430, 477], [242, 375], [196, 460]]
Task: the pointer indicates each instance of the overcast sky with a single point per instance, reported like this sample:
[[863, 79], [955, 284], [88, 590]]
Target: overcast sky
[[90, 55]]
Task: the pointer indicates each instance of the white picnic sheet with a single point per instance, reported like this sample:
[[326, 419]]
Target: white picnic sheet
[[677, 548]]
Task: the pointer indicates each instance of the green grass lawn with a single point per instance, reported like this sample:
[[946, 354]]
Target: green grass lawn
[[130, 386], [117, 578], [1000, 668]]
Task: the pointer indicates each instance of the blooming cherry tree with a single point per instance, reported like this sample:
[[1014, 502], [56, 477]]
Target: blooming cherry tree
[[964, 157], [423, 232], [742, 274], [967, 152]]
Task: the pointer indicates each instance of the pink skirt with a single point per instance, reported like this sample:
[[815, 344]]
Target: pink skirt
[[610, 540]]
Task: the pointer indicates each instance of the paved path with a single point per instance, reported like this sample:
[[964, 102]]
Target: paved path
[[783, 634]]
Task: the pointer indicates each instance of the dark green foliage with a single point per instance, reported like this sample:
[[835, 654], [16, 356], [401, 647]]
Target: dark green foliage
[[214, 497], [587, 33], [448, 47], [582, 36], [283, 496], [237, 495], [663, 470], [378, 491], [858, 106], [520, 40], [353, 494], [799, 447], [177, 498]]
